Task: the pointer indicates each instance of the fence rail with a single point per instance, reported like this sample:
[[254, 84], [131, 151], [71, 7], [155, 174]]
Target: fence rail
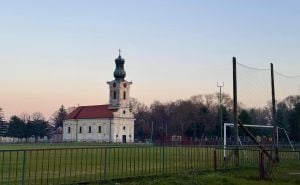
[[91, 164]]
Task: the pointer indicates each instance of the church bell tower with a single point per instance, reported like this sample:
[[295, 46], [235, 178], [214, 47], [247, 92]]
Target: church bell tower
[[119, 87]]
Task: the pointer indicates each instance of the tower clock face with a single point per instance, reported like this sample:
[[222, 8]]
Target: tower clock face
[[114, 85], [124, 85]]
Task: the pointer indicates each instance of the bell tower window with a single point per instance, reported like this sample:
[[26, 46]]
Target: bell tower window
[[115, 95], [124, 95]]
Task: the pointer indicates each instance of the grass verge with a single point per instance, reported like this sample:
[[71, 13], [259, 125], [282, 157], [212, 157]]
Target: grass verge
[[232, 177]]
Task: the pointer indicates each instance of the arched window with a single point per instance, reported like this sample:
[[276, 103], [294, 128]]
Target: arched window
[[124, 95], [115, 95]]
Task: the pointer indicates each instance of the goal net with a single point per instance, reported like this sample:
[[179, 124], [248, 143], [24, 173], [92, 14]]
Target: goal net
[[265, 139]]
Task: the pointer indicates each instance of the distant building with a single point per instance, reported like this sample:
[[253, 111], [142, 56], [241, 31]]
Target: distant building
[[113, 122], [57, 135]]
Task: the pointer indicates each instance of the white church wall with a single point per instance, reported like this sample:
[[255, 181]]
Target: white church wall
[[119, 131], [80, 130], [69, 130]]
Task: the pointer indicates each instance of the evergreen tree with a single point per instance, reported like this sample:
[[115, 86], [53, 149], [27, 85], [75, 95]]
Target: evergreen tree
[[244, 117], [17, 127], [59, 117], [294, 120], [37, 128]]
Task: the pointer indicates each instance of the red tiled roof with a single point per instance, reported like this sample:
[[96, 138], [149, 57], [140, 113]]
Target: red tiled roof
[[91, 112]]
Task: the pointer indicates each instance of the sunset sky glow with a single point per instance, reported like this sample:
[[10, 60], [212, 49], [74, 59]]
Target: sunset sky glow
[[62, 51]]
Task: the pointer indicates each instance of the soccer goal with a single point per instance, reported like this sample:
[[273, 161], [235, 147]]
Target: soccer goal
[[254, 126]]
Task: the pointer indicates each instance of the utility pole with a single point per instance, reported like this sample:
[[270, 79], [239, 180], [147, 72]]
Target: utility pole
[[194, 132], [152, 132], [166, 129], [220, 85], [167, 111], [181, 129]]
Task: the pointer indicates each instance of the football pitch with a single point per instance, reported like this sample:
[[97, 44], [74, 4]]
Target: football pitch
[[84, 163]]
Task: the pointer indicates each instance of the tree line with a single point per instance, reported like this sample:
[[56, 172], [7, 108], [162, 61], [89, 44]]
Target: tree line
[[26, 126], [195, 118], [199, 117]]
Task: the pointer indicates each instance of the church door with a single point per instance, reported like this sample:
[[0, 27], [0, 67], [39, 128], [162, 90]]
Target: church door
[[124, 138]]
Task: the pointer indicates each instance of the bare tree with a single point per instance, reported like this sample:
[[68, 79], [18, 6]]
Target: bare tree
[[24, 116], [37, 116]]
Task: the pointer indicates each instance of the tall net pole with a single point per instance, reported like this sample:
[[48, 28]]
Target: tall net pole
[[275, 130], [235, 116]]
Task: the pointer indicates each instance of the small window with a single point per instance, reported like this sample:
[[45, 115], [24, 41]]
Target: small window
[[124, 95], [129, 135], [117, 136], [80, 130], [90, 129], [69, 130], [99, 129], [124, 112], [115, 95], [124, 128]]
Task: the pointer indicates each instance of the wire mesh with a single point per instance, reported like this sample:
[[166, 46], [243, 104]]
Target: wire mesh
[[254, 86]]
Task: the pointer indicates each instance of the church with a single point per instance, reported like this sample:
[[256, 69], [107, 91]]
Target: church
[[113, 122]]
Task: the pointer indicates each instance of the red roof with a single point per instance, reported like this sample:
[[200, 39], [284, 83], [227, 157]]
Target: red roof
[[91, 112]]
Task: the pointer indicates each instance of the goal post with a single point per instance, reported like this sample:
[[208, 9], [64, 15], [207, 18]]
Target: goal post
[[287, 136], [255, 126]]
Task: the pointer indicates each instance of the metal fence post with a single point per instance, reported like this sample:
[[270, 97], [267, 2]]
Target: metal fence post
[[105, 161], [215, 160], [163, 158], [262, 174], [23, 168]]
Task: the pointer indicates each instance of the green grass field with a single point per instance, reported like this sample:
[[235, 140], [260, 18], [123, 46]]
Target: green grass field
[[73, 163], [231, 177]]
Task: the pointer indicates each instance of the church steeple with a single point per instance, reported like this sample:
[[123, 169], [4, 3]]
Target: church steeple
[[119, 72], [119, 88]]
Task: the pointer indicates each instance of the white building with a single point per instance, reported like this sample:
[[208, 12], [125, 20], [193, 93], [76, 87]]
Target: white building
[[113, 122]]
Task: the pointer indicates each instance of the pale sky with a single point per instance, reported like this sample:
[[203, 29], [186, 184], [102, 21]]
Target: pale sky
[[62, 51]]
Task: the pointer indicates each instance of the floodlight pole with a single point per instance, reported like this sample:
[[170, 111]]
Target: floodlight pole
[[220, 106], [274, 122]]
